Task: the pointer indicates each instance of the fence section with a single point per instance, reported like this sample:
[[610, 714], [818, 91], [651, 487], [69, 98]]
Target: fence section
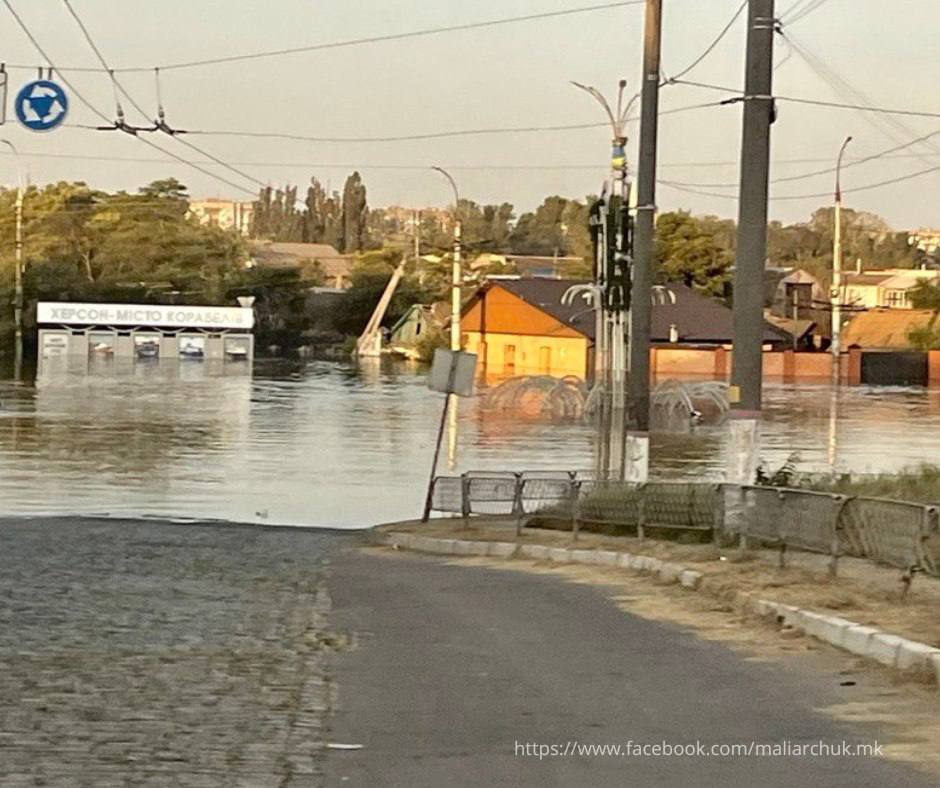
[[905, 535]]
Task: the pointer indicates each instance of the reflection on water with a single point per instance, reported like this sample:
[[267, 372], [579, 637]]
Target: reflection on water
[[331, 444]]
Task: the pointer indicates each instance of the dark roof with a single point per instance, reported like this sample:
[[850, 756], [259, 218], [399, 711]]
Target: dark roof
[[285, 254], [698, 318]]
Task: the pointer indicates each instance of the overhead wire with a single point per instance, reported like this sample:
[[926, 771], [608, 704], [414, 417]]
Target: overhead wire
[[436, 134], [119, 87], [791, 15], [39, 48], [843, 87], [710, 48], [431, 31], [827, 170]]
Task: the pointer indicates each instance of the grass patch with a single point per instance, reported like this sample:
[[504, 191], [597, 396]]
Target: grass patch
[[920, 484]]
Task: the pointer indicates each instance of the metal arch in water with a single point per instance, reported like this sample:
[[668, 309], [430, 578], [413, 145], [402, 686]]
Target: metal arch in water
[[684, 404], [557, 398]]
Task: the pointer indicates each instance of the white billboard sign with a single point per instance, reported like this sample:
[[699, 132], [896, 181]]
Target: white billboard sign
[[156, 315]]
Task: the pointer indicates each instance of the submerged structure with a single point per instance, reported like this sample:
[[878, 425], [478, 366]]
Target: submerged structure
[[141, 332]]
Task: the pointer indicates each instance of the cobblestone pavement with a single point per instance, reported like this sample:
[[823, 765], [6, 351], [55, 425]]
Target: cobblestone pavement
[[145, 653]]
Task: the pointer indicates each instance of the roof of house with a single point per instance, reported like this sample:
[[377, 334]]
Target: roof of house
[[795, 328], [529, 265], [697, 317], [885, 328], [800, 277], [865, 278], [907, 281], [287, 254]]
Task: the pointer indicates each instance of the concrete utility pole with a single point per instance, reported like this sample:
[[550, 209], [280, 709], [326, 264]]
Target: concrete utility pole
[[456, 273], [641, 300], [455, 282], [747, 362], [836, 292], [18, 268]]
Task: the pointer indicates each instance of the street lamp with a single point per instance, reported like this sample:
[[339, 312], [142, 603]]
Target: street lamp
[[18, 267], [455, 271], [610, 353], [836, 291], [612, 287]]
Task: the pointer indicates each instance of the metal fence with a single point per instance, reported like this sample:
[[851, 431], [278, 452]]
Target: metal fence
[[901, 534]]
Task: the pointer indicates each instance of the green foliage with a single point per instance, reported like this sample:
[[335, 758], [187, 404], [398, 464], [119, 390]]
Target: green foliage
[[341, 221], [558, 225], [368, 279], [688, 250], [430, 340], [865, 237], [924, 337], [926, 295], [919, 483], [85, 243]]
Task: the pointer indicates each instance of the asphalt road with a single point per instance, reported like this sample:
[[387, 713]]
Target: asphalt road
[[455, 665]]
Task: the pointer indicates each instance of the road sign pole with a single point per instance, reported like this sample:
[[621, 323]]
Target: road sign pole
[[437, 452]]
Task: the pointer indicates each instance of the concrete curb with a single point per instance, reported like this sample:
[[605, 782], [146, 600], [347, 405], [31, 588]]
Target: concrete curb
[[890, 650]]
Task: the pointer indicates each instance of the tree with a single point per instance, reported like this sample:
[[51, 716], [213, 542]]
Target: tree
[[354, 236], [88, 245], [368, 279], [688, 250]]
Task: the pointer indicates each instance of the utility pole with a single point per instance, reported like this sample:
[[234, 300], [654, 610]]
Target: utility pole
[[455, 282], [747, 362], [641, 297], [18, 269], [456, 275], [836, 292], [417, 237]]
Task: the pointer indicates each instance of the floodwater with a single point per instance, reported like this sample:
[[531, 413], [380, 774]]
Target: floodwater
[[332, 444]]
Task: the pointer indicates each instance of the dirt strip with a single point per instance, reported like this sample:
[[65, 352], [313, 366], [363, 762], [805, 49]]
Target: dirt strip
[[863, 591]]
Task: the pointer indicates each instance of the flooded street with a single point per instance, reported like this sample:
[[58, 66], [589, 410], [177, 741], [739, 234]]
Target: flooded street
[[330, 444]]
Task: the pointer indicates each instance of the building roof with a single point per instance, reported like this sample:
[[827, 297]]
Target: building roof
[[699, 319], [287, 254], [795, 328], [885, 328], [529, 265], [867, 278], [907, 281], [799, 277]]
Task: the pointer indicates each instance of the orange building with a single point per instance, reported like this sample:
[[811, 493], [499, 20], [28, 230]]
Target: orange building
[[521, 327]]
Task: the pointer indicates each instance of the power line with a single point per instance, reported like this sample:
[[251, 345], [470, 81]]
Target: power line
[[792, 14], [710, 48], [842, 87], [826, 170], [435, 134], [739, 96], [22, 25], [119, 87], [431, 31], [816, 195]]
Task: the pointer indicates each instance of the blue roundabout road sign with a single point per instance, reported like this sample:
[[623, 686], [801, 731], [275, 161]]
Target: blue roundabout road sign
[[41, 105]]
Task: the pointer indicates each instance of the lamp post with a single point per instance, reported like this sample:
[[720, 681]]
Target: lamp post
[[18, 268], [612, 275], [456, 273], [455, 281], [836, 291]]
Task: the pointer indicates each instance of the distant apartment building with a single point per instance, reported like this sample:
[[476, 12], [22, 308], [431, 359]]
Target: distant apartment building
[[227, 214], [398, 218], [925, 239], [890, 288]]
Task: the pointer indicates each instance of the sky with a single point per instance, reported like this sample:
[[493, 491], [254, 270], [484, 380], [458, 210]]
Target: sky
[[509, 75]]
